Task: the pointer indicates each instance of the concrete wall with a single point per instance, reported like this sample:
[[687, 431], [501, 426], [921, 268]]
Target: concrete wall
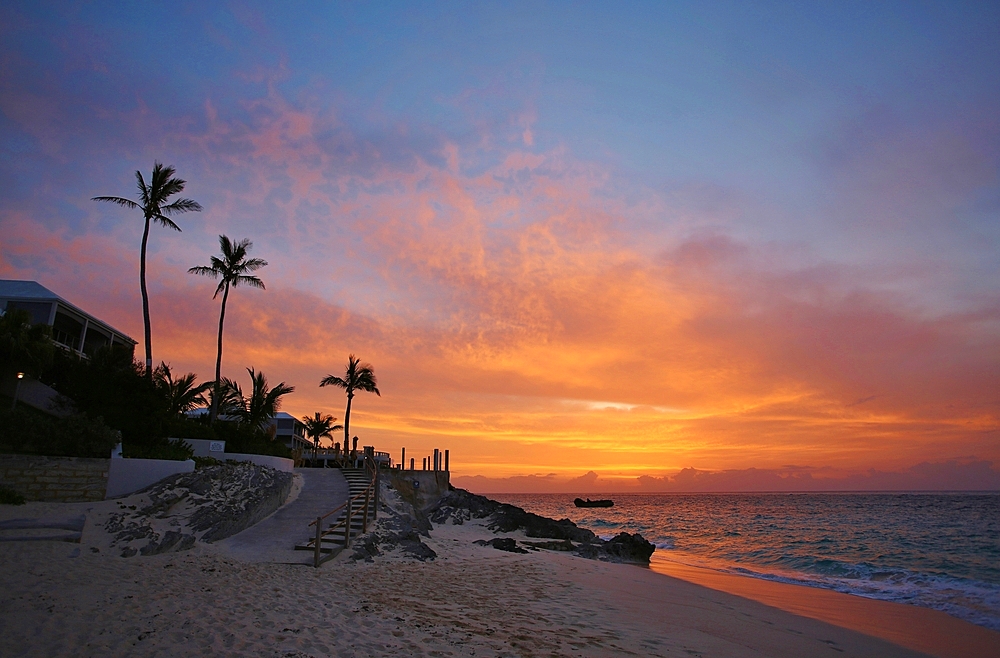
[[127, 476], [206, 447], [217, 450], [55, 479], [421, 488]]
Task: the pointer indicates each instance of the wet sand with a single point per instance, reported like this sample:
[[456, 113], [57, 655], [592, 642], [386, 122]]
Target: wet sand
[[930, 631]]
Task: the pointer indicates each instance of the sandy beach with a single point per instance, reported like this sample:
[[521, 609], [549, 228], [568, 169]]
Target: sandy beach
[[63, 598]]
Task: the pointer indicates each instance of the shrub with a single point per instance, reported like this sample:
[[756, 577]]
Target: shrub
[[28, 431], [242, 438], [10, 497], [161, 449]]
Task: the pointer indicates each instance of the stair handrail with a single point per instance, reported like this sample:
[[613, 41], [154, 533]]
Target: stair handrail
[[371, 468]]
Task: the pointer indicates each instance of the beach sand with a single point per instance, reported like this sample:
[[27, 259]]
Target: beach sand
[[66, 599]]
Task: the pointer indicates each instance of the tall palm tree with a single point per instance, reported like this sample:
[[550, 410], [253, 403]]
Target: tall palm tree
[[319, 427], [153, 204], [232, 270], [181, 394], [358, 377]]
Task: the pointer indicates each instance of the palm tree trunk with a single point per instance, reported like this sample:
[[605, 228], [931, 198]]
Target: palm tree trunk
[[347, 422], [145, 302], [214, 411]]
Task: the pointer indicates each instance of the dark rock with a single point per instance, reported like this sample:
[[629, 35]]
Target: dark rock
[[461, 504], [419, 550], [565, 545], [503, 544], [626, 548], [630, 548]]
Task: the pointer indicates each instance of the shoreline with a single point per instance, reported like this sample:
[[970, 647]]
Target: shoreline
[[915, 627], [70, 599]]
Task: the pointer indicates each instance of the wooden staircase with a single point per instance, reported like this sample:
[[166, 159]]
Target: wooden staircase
[[333, 531]]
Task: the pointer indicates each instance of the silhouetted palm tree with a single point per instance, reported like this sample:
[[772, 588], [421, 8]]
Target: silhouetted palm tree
[[232, 270], [319, 427], [181, 394], [358, 377], [153, 204], [230, 398], [263, 403]]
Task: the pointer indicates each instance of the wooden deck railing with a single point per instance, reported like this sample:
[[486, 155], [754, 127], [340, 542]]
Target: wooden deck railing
[[370, 491]]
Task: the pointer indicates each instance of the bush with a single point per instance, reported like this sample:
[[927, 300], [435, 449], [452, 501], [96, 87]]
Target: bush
[[29, 431], [112, 386], [10, 497], [241, 438], [188, 428], [162, 449]]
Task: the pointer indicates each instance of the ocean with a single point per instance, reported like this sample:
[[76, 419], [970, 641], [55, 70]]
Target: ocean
[[937, 550]]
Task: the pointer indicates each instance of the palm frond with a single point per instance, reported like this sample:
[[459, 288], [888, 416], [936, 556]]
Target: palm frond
[[181, 205], [125, 203], [166, 221]]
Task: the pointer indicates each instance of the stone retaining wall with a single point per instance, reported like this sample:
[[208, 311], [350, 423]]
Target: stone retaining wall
[[423, 489], [55, 479]]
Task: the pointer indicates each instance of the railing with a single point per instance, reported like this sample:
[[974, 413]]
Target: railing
[[371, 469]]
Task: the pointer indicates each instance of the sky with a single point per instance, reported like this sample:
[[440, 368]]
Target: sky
[[585, 246]]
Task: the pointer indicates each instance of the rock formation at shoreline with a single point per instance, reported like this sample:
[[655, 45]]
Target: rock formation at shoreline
[[206, 505], [460, 505]]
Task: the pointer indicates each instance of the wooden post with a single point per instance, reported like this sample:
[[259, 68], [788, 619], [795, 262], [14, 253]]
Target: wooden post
[[402, 460], [378, 493], [412, 464], [319, 539], [364, 519], [446, 465], [437, 457], [347, 524]]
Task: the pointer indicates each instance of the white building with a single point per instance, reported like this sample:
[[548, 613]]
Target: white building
[[72, 328]]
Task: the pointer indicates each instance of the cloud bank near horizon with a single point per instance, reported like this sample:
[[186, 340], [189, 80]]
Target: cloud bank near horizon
[[968, 474]]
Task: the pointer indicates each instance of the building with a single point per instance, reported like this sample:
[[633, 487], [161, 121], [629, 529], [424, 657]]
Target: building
[[290, 431], [72, 328]]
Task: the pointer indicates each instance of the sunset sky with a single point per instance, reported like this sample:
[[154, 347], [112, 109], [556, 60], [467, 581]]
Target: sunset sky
[[626, 238]]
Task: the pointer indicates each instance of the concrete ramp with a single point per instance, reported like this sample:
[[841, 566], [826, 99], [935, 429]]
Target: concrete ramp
[[273, 539]]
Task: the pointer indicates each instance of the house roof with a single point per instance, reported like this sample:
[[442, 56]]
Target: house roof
[[34, 291]]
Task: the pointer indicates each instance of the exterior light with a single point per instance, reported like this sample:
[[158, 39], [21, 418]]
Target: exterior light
[[17, 390]]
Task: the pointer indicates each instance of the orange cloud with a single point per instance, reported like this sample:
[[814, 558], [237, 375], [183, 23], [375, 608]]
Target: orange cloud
[[515, 314]]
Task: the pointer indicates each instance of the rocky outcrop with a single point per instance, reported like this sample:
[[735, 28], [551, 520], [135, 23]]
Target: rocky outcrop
[[460, 506], [206, 505], [502, 544], [399, 527], [631, 549]]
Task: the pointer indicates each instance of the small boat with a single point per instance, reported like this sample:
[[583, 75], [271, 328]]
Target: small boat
[[580, 502]]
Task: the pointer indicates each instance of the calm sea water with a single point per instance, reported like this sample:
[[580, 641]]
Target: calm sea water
[[940, 551]]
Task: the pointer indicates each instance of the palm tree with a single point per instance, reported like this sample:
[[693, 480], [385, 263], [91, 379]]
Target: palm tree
[[153, 204], [230, 398], [181, 394], [232, 270], [264, 402], [319, 427], [358, 377]]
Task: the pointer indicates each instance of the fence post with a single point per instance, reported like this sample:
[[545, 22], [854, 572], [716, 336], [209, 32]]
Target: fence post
[[319, 538], [364, 519], [446, 465], [347, 524], [378, 485]]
